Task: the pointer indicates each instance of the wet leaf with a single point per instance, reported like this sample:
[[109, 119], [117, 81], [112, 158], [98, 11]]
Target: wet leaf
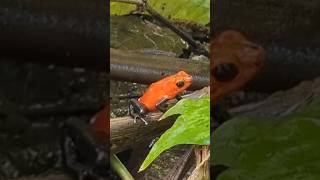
[[192, 10], [263, 149], [191, 127], [132, 33]]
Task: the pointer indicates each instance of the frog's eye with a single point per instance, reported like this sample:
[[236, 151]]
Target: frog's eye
[[180, 84]]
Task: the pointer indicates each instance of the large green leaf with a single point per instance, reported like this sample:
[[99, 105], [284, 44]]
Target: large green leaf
[[193, 10], [270, 149], [191, 127]]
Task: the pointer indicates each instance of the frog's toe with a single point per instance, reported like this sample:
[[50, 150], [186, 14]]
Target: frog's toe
[[143, 120], [135, 119]]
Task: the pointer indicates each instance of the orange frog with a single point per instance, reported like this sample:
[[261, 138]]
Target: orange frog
[[231, 47], [157, 95]]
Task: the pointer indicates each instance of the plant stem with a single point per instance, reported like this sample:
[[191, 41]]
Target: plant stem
[[120, 168]]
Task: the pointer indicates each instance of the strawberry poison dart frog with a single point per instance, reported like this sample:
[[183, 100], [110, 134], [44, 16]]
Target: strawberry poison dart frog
[[157, 95]]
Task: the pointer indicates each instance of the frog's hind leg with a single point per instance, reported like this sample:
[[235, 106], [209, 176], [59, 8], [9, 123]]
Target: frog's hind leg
[[162, 105]]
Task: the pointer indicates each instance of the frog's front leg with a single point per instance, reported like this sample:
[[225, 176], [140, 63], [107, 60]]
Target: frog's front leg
[[136, 116], [178, 97], [162, 105]]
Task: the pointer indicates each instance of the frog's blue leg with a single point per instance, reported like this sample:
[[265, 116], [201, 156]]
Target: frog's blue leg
[[137, 111], [136, 116]]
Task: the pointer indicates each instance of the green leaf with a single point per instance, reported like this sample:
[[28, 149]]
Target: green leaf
[[264, 149], [191, 127], [193, 10], [117, 8]]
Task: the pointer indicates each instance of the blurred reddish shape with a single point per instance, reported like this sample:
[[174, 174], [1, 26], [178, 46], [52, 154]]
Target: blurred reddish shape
[[100, 124], [231, 47]]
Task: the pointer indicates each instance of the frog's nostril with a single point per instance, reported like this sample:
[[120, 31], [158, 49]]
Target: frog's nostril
[[225, 72], [188, 79]]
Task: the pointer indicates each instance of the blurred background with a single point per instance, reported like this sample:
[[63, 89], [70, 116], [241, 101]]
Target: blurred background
[[53, 67]]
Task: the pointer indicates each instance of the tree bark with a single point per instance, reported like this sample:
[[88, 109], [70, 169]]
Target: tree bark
[[140, 68], [125, 133]]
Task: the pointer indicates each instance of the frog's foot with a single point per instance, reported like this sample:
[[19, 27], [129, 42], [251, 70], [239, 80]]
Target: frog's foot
[[135, 117], [143, 120]]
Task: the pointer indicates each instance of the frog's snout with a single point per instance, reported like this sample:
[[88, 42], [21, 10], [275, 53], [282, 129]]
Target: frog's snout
[[188, 79]]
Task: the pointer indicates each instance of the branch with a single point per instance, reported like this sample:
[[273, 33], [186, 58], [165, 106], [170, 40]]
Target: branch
[[145, 69]]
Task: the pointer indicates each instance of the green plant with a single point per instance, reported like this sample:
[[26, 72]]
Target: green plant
[[285, 148], [191, 127]]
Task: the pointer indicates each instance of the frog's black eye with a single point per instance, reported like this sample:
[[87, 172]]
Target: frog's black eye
[[180, 84]]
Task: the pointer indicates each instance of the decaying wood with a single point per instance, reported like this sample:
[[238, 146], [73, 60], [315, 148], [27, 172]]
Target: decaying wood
[[282, 102], [183, 165], [201, 172], [125, 133]]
